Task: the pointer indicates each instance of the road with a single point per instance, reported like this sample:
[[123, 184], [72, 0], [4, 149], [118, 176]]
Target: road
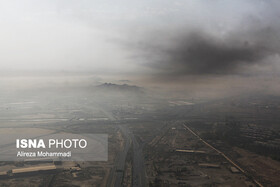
[[120, 164], [221, 153], [139, 174], [117, 172]]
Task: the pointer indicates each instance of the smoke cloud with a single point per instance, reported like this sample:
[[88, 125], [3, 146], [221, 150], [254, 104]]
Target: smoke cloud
[[218, 45], [198, 53]]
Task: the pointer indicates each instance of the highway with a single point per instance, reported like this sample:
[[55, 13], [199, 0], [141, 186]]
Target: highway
[[139, 174], [117, 172]]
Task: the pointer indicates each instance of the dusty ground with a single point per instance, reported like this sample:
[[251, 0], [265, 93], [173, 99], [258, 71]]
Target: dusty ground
[[265, 168]]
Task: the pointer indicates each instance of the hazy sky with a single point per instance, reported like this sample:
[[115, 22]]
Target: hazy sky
[[164, 39]]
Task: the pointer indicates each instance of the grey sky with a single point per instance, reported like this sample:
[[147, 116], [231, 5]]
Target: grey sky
[[94, 35]]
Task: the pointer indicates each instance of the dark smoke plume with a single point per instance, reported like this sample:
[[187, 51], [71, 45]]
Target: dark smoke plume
[[199, 53]]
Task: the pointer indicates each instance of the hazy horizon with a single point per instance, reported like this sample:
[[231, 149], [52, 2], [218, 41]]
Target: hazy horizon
[[219, 48]]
